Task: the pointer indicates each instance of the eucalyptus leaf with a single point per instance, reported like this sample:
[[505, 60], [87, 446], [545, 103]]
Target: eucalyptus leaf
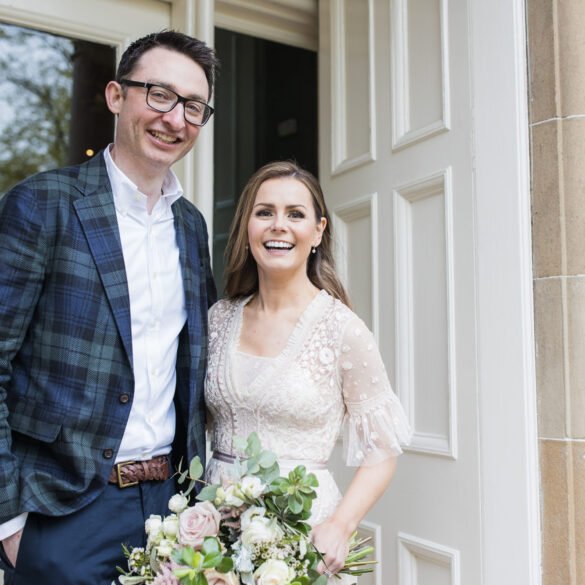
[[183, 476], [195, 468], [208, 493], [266, 459], [271, 474], [253, 467], [253, 446]]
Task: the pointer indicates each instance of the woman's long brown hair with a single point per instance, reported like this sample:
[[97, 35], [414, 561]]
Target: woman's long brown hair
[[241, 272]]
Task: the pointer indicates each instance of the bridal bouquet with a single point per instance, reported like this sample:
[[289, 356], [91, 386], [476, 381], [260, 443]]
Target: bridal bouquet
[[252, 531]]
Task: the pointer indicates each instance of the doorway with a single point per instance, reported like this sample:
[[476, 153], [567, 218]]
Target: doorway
[[266, 109]]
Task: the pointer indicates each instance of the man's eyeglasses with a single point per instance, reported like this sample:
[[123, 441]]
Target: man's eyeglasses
[[163, 99]]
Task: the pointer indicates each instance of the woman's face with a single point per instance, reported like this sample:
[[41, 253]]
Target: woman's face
[[282, 228]]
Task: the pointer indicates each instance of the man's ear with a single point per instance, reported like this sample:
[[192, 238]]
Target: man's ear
[[114, 97]]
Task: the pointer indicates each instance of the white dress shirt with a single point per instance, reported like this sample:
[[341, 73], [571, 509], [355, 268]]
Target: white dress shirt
[[157, 311], [157, 314]]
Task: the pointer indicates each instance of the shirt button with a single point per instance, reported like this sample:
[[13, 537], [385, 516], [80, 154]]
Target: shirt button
[[124, 398], [108, 453]]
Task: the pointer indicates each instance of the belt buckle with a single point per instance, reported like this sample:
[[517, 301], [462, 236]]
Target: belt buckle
[[121, 482]]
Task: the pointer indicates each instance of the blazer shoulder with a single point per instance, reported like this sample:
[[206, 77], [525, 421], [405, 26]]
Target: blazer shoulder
[[71, 180]]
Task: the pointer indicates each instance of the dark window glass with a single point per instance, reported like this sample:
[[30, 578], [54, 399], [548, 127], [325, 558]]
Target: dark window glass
[[52, 107]]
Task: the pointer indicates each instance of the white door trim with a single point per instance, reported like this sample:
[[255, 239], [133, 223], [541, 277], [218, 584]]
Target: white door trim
[[507, 412]]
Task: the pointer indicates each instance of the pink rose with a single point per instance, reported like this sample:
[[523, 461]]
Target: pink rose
[[216, 578], [197, 522]]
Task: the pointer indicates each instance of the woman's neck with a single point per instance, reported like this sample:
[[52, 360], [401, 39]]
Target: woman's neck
[[275, 294]]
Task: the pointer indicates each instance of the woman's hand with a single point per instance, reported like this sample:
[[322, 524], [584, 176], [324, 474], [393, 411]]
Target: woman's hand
[[331, 539]]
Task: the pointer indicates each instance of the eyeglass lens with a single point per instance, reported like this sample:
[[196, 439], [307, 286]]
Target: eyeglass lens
[[164, 100]]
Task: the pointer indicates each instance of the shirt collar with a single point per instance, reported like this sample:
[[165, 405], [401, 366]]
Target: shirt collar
[[126, 193]]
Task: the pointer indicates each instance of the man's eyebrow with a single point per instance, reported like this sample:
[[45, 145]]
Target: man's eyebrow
[[172, 87]]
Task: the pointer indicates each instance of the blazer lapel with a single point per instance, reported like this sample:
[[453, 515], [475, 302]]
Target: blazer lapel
[[187, 245], [97, 215]]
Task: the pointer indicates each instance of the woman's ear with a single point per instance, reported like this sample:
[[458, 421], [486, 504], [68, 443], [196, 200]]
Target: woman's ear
[[320, 229]]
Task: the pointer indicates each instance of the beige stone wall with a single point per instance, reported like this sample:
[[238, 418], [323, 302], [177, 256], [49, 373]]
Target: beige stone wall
[[556, 55]]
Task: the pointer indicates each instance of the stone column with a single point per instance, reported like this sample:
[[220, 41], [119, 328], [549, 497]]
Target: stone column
[[556, 55]]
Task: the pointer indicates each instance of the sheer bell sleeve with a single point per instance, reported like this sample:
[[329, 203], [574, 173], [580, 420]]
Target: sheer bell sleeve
[[375, 424]]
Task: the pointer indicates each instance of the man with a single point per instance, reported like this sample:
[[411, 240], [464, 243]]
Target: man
[[105, 284]]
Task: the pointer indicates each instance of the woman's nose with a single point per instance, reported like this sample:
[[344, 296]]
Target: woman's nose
[[278, 224]]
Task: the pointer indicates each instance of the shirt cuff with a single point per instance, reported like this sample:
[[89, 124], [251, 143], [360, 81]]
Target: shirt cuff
[[13, 526]]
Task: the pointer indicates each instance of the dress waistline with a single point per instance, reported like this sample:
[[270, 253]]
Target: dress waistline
[[292, 463]]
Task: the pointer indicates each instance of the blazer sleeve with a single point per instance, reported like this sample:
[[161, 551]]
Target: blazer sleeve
[[23, 258]]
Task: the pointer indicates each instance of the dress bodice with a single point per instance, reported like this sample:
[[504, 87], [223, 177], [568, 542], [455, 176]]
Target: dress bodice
[[329, 371]]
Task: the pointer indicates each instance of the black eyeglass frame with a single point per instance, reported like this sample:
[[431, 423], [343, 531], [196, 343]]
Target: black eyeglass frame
[[207, 113]]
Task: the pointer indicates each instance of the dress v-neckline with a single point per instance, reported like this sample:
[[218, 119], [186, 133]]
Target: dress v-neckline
[[274, 364]]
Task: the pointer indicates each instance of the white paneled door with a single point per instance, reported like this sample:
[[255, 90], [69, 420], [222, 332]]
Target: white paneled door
[[397, 167]]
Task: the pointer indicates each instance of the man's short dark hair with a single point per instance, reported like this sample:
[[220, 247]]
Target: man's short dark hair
[[173, 40]]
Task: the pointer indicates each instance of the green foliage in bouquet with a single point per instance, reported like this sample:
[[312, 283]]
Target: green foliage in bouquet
[[261, 529]]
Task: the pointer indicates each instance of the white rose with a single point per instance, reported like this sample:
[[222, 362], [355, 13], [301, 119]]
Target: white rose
[[231, 498], [164, 548], [273, 572], [170, 526], [261, 530], [251, 513], [153, 527], [178, 503], [251, 487]]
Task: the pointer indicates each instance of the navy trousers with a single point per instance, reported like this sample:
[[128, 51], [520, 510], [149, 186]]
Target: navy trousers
[[84, 548]]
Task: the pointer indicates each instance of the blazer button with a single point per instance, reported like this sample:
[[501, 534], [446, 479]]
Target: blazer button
[[124, 398], [108, 453]]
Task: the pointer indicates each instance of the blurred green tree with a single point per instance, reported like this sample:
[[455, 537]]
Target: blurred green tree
[[35, 102]]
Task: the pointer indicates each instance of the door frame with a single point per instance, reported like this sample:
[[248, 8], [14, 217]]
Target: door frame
[[505, 318]]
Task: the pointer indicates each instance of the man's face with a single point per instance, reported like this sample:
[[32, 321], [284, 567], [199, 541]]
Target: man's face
[[147, 140]]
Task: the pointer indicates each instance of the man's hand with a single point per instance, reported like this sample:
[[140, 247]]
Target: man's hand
[[11, 546]]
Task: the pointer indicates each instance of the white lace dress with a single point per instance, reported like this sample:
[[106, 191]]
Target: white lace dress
[[330, 375]]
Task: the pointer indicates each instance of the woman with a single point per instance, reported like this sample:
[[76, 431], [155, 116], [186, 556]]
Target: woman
[[289, 360]]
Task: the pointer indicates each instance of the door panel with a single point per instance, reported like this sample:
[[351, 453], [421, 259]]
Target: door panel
[[396, 170]]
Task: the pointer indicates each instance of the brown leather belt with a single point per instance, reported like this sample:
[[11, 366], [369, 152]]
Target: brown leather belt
[[128, 473]]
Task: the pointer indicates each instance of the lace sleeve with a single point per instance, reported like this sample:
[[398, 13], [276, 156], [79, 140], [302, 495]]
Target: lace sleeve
[[375, 425]]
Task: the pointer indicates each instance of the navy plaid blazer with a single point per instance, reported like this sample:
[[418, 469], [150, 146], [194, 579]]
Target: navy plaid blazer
[[66, 344]]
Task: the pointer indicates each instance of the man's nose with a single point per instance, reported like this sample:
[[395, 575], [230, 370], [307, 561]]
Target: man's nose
[[176, 117]]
